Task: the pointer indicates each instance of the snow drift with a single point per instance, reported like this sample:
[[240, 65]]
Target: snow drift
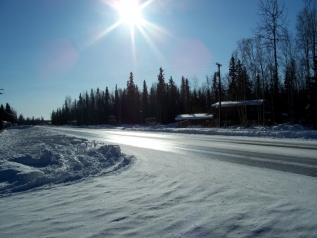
[[41, 157]]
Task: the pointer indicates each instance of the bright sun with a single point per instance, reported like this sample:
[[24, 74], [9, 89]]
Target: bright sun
[[130, 12]]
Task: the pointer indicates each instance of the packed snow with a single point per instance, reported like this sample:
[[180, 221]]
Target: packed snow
[[32, 157], [55, 185]]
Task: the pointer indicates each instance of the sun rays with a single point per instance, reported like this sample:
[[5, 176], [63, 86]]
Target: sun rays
[[130, 13]]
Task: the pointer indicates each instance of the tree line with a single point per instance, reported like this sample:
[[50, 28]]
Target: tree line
[[8, 114], [131, 105], [275, 64]]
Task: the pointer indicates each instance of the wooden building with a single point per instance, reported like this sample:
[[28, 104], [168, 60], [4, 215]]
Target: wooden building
[[242, 113], [197, 119]]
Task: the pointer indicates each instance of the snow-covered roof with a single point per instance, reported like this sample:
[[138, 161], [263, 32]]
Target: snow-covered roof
[[195, 116], [239, 103]]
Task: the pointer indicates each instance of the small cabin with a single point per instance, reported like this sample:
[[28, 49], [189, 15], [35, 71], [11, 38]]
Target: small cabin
[[196, 119], [6, 124], [240, 112]]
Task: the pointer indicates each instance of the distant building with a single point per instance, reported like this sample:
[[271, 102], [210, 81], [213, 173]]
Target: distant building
[[197, 119], [242, 112], [6, 124]]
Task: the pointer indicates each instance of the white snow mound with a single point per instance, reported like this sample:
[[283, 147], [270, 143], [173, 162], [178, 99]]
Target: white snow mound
[[41, 157]]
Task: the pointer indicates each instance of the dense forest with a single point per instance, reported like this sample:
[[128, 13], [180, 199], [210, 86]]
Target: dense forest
[[275, 65]]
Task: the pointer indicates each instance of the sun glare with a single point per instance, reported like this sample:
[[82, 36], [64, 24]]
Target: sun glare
[[130, 12]]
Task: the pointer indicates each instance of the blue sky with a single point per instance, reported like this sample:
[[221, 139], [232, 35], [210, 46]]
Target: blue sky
[[57, 48]]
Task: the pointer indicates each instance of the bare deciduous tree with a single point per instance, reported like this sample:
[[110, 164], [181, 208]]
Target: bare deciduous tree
[[307, 33], [270, 29]]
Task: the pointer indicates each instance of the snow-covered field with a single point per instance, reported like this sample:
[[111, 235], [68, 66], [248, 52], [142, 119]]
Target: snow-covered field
[[54, 185]]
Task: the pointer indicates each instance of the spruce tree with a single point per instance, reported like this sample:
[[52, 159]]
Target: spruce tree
[[106, 106], [131, 100], [145, 102], [173, 100], [153, 102], [182, 100], [161, 96], [233, 74]]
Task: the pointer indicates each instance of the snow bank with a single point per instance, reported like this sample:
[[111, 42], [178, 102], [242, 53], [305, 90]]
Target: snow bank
[[32, 157], [281, 131], [287, 131]]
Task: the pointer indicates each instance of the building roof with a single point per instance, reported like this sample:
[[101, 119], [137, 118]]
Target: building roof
[[239, 103], [196, 116]]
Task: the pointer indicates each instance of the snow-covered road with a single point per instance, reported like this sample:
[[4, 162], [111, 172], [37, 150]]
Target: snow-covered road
[[179, 186]]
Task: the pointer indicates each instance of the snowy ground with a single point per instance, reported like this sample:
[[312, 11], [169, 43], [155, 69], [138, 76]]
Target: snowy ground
[[282, 131], [53, 185], [32, 157]]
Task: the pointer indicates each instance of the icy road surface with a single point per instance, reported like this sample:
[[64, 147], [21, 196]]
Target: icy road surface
[[286, 155], [179, 185]]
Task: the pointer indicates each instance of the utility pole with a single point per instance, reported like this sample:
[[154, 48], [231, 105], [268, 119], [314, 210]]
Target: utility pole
[[219, 65]]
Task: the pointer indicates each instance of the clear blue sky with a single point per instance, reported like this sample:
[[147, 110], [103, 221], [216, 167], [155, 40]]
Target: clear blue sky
[[50, 49]]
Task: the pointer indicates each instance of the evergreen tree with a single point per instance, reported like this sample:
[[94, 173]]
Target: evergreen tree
[[289, 89], [116, 107], [145, 102], [80, 110], [153, 101], [173, 99], [187, 96], [161, 96], [92, 108], [125, 107], [86, 109], [21, 120], [194, 102], [98, 106], [215, 89], [107, 105], [208, 100], [131, 109], [202, 101], [182, 100], [1, 116], [233, 74], [138, 108]]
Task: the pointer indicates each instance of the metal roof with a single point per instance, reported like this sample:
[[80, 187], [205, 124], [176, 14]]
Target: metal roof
[[239, 103], [196, 116]]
